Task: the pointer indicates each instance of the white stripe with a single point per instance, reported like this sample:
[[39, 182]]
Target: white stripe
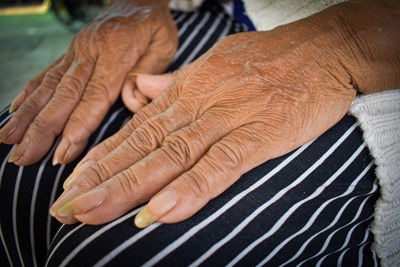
[[320, 209], [375, 259], [204, 40], [96, 234], [187, 41], [4, 110], [55, 185], [126, 244], [340, 259], [225, 31], [5, 120], [287, 214], [224, 208], [348, 236], [336, 219], [62, 240], [365, 237], [180, 17], [14, 213], [188, 23], [34, 197], [328, 240], [61, 169], [347, 239], [3, 164], [360, 255], [105, 127], [52, 198], [277, 196]]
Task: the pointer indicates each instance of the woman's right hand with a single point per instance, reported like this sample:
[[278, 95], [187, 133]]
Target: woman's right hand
[[74, 93]]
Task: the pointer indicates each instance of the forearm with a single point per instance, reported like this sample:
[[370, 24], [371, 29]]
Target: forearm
[[370, 51]]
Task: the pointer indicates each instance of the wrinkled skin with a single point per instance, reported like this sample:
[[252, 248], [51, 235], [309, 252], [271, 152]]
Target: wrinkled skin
[[75, 92], [252, 97]]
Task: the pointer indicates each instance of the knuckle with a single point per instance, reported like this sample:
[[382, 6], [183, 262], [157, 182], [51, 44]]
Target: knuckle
[[98, 91], [197, 184], [230, 157], [40, 124], [51, 79], [144, 139], [94, 175], [30, 106], [69, 88], [128, 182], [179, 150]]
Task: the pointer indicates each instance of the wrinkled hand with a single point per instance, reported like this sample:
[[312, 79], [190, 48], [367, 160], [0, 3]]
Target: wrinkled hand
[[254, 96], [74, 93]]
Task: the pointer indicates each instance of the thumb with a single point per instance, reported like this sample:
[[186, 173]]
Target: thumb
[[138, 87], [156, 59]]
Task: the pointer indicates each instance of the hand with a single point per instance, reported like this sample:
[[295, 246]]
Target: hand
[[75, 92], [252, 97]]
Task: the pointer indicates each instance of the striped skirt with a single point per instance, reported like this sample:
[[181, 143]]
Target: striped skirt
[[310, 207]]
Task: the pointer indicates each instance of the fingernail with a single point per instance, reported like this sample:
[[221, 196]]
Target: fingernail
[[65, 197], [84, 202], [66, 210], [19, 151], [156, 208], [13, 107], [14, 157], [8, 129], [140, 97], [61, 150], [134, 75], [77, 172]]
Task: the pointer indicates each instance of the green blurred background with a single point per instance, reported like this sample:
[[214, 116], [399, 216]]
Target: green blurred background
[[28, 43]]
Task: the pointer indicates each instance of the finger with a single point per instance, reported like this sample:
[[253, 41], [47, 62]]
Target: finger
[[133, 99], [100, 93], [218, 169], [136, 184], [32, 85], [141, 141], [159, 105], [51, 120], [15, 129], [101, 150]]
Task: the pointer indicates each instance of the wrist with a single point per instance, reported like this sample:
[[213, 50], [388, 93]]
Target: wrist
[[366, 41]]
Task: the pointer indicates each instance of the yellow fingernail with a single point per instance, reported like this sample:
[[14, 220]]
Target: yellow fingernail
[[144, 218], [12, 107], [66, 197], [14, 157], [66, 210], [156, 208]]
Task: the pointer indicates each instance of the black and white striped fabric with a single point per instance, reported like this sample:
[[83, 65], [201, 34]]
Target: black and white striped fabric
[[311, 207]]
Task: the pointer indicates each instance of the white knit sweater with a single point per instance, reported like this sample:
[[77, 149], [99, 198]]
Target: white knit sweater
[[378, 114]]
